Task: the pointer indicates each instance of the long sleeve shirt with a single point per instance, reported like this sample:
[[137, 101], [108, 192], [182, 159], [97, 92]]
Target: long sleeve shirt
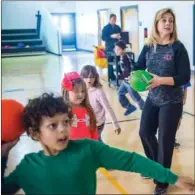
[[166, 61], [73, 170], [125, 66], [107, 31], [101, 107]]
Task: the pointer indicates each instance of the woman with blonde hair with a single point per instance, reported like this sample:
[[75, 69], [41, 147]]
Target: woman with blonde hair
[[166, 58]]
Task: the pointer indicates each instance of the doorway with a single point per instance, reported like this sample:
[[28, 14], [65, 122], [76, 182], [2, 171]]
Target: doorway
[[103, 19], [194, 34], [130, 23], [67, 25]]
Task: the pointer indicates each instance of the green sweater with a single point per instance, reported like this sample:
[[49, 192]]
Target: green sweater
[[73, 170]]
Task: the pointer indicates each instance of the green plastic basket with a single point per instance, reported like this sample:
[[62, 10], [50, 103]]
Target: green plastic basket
[[139, 80]]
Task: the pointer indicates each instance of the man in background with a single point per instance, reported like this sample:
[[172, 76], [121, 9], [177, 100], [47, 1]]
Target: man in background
[[111, 34]]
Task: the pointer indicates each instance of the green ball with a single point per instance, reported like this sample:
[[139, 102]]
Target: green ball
[[139, 80]]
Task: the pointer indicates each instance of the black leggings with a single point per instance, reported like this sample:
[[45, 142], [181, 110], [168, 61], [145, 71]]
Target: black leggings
[[165, 118], [100, 129]]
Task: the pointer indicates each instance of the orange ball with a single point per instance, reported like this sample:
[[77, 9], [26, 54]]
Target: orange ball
[[12, 124]]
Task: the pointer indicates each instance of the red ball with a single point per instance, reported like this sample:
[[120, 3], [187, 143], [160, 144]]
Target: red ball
[[12, 123]]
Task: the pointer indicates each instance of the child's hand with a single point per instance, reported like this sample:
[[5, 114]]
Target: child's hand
[[186, 183], [117, 131], [7, 146]]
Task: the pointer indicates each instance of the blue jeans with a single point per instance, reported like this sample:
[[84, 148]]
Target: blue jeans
[[123, 90]]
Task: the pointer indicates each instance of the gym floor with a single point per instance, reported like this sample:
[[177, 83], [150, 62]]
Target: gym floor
[[28, 77]]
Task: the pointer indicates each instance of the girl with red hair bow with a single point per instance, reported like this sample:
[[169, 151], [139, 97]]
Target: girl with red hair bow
[[74, 91]]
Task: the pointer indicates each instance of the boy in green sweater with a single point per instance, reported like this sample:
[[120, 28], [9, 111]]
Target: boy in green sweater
[[69, 167]]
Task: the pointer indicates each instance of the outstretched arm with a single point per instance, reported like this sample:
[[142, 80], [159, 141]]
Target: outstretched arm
[[112, 158], [9, 184]]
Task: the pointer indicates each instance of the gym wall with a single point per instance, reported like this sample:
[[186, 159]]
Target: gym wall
[[21, 15], [87, 21]]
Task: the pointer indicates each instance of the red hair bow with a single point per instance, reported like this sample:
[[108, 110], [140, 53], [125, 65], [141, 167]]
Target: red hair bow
[[67, 80]]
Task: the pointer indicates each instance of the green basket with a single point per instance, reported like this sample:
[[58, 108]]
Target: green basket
[[139, 80]]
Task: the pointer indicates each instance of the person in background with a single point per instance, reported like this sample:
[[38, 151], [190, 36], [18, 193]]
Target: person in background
[[125, 67], [111, 34], [98, 99], [74, 91]]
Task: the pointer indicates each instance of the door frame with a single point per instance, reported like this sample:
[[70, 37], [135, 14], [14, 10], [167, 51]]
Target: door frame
[[121, 14], [193, 34], [98, 12], [71, 13]]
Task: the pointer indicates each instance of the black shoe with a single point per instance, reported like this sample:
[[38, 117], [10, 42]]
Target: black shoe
[[160, 190], [176, 145], [144, 177]]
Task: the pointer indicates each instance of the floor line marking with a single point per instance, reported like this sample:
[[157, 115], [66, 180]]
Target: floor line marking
[[13, 90], [111, 179], [123, 121], [190, 114]]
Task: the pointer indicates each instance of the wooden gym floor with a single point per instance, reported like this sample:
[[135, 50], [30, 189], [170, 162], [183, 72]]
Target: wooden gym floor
[[27, 77]]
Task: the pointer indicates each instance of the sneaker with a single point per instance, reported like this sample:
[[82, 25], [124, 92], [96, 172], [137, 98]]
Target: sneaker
[[130, 110], [176, 145], [144, 177], [160, 190]]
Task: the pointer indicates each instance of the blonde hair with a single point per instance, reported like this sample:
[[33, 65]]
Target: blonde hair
[[155, 37], [85, 102]]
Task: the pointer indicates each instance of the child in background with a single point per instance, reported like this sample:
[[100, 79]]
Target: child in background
[[185, 88], [98, 99], [69, 167], [124, 73], [74, 91]]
